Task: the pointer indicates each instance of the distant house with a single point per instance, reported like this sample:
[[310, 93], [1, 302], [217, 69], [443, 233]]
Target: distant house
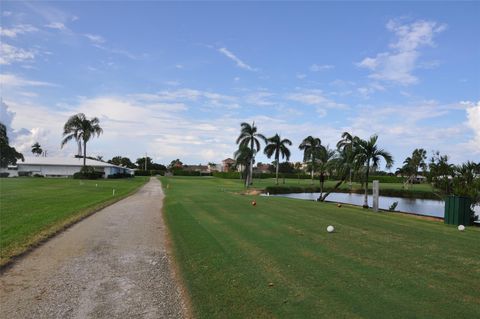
[[227, 165], [262, 168], [61, 167], [212, 167]]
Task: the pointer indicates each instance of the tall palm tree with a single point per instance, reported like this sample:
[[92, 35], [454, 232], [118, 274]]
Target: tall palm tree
[[81, 129], [311, 147], [368, 152], [276, 147], [243, 156], [348, 143], [324, 164], [250, 137], [37, 149]]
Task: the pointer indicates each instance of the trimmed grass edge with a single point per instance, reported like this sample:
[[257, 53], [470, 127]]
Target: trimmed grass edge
[[176, 267], [18, 252]]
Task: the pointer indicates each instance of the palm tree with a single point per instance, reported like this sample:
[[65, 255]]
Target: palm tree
[[243, 156], [311, 147], [250, 137], [348, 143], [368, 152], [324, 163], [81, 129], [37, 149], [414, 163], [276, 146]]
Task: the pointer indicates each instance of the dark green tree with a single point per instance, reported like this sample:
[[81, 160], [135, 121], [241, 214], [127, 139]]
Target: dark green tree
[[369, 154], [8, 154], [277, 147]]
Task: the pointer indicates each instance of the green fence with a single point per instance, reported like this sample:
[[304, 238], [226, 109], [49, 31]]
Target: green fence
[[457, 210]]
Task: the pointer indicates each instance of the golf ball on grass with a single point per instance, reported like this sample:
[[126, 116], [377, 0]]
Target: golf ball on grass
[[330, 229], [461, 227]]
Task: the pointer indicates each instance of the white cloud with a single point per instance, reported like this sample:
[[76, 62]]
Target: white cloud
[[316, 98], [234, 58], [11, 80], [321, 67], [16, 30], [260, 99], [10, 54], [56, 25], [95, 38], [398, 64], [301, 76], [473, 121]]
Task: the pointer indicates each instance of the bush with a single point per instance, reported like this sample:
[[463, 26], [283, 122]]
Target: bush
[[142, 173], [38, 175], [179, 172], [119, 175], [3, 175], [88, 172], [24, 174]]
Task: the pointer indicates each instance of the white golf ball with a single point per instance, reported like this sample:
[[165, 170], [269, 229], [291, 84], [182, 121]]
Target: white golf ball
[[330, 229], [461, 227]]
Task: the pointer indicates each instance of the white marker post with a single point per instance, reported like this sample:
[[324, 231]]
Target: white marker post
[[375, 193], [113, 192]]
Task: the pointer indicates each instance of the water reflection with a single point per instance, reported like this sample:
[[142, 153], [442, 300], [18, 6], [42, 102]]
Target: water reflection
[[426, 207]]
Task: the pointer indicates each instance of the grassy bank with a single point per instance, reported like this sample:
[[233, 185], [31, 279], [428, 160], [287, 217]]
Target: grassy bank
[[33, 209], [276, 260]]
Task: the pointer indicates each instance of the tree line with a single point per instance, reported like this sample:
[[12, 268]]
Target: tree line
[[354, 156]]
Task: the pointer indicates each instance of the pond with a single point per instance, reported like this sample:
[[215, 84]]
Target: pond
[[426, 207]]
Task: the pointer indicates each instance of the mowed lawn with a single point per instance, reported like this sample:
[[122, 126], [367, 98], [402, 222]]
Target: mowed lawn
[[34, 208], [276, 260]]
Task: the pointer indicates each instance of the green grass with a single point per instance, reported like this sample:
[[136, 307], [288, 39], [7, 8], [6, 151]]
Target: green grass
[[33, 209], [376, 265]]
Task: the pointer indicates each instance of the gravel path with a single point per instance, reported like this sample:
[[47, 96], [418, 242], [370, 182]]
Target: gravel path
[[113, 264]]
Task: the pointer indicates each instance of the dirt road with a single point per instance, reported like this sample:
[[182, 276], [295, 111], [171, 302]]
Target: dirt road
[[114, 264]]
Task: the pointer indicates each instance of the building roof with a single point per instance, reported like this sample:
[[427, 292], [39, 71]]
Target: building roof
[[63, 161], [228, 160]]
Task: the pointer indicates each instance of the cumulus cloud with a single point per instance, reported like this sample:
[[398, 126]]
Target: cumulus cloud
[[16, 30], [473, 121], [10, 54], [237, 60], [398, 64]]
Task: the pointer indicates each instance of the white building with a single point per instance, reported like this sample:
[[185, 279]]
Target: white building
[[61, 167]]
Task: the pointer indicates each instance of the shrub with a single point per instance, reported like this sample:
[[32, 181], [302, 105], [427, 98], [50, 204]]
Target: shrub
[[24, 174], [179, 172], [38, 175], [142, 173], [3, 175], [88, 172], [119, 175]]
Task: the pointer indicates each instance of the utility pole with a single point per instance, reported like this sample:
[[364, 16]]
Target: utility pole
[[145, 160]]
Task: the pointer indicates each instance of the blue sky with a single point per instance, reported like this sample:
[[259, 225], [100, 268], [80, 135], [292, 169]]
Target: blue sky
[[176, 79]]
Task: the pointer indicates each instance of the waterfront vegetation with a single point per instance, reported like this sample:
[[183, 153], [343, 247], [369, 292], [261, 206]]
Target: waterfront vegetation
[[276, 260], [33, 209]]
